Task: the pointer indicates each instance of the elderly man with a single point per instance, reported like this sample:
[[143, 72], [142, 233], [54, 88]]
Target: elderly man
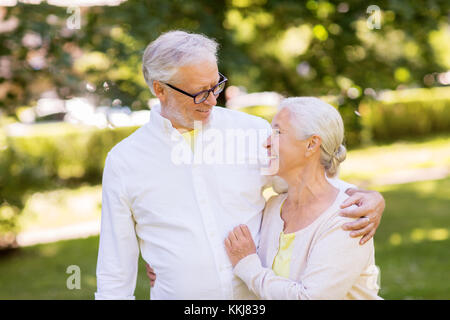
[[177, 214]]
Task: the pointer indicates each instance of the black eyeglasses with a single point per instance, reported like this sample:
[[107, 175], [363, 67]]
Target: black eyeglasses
[[203, 95]]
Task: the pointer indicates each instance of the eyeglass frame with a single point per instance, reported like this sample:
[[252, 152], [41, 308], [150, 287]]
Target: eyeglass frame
[[225, 79]]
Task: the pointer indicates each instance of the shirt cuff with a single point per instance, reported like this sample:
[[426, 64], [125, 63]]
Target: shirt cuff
[[248, 267]]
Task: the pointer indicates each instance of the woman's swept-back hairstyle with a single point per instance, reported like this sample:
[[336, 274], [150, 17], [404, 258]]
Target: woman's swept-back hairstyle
[[312, 116], [174, 49]]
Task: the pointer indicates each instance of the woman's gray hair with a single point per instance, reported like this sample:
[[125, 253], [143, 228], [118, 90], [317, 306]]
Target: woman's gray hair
[[312, 116], [174, 49]]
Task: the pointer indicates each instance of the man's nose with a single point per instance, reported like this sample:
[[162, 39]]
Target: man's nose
[[211, 100]]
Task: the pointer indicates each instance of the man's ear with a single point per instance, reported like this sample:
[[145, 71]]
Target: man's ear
[[160, 91]]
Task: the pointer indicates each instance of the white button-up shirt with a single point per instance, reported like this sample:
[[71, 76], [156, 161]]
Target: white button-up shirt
[[177, 208]]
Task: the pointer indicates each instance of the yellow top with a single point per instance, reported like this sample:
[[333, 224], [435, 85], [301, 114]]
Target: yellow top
[[189, 136], [281, 263]]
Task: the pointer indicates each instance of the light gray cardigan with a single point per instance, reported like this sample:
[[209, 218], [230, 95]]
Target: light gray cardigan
[[326, 262]]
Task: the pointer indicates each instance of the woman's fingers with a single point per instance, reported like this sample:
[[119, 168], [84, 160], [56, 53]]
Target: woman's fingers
[[232, 236], [238, 236], [227, 243], [239, 233], [245, 230]]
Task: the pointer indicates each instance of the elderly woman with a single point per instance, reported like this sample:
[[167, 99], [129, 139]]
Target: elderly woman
[[303, 252]]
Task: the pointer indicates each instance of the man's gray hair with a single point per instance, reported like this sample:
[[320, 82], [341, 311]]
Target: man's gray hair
[[311, 116], [174, 49]]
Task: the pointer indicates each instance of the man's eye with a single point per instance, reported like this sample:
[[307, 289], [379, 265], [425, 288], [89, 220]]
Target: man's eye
[[276, 131]]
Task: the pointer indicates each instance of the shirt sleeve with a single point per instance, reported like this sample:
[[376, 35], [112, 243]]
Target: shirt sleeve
[[118, 254], [334, 265]]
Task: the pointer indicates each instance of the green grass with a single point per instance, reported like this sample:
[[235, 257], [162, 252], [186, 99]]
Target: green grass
[[39, 272], [371, 165], [412, 243], [412, 246]]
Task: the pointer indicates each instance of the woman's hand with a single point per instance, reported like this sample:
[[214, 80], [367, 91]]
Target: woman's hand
[[239, 244]]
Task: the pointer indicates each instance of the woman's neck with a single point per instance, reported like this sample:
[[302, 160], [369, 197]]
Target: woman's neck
[[309, 188]]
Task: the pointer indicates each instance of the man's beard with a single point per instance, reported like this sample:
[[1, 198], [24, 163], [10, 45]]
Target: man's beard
[[177, 116]]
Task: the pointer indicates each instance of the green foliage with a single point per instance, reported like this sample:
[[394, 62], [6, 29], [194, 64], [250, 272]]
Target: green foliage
[[265, 112], [398, 115], [414, 113], [263, 44], [51, 156]]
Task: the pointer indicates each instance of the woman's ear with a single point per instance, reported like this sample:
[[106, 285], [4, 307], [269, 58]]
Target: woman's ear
[[313, 144]]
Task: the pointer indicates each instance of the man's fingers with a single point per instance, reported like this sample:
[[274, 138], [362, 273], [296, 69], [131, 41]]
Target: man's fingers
[[353, 199], [356, 225], [150, 274], [355, 212], [367, 237], [351, 191], [362, 232]]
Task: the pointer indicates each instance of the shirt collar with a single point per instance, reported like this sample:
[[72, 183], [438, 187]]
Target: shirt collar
[[164, 124], [158, 121]]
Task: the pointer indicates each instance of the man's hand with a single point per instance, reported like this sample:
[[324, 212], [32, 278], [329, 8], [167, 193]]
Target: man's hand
[[370, 207], [150, 274], [239, 244]]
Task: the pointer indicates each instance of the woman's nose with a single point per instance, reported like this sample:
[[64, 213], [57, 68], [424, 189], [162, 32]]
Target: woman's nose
[[267, 143]]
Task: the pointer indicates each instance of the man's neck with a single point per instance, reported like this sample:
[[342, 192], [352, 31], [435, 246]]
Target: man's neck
[[175, 123]]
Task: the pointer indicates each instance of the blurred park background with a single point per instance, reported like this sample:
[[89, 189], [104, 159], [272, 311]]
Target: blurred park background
[[71, 87]]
